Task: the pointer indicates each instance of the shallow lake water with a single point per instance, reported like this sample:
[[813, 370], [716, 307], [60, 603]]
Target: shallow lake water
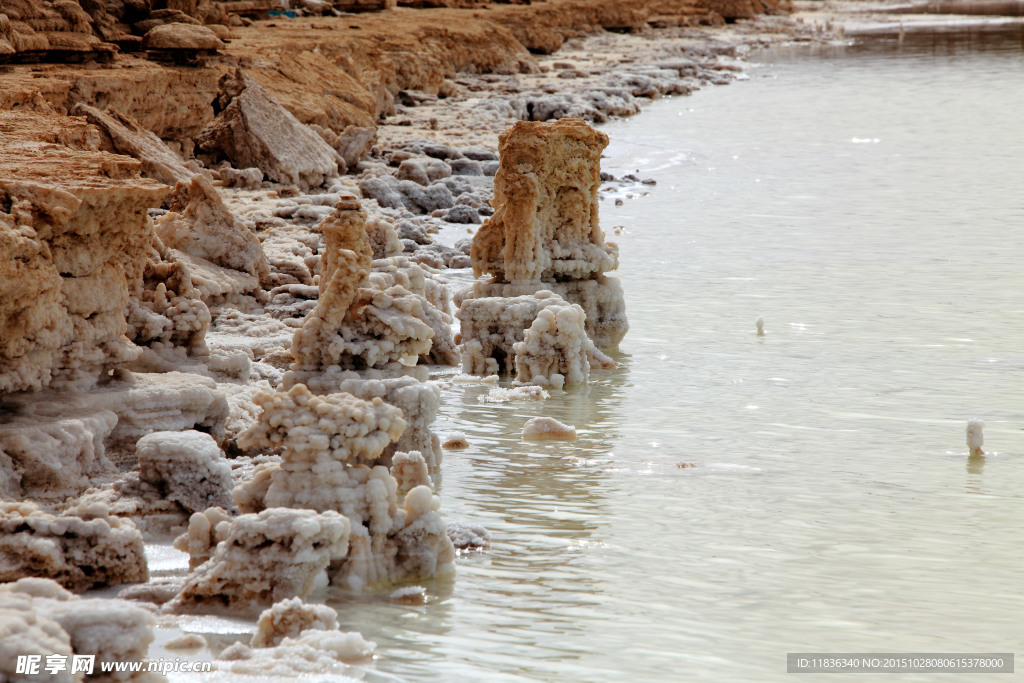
[[866, 201]]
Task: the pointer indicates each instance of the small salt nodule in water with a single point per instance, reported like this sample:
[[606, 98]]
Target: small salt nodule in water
[[975, 436], [760, 326]]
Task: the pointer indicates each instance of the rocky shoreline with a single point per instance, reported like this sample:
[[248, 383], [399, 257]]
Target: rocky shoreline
[[228, 274]]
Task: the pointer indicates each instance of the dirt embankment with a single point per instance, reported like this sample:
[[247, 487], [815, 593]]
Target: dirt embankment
[[332, 71]]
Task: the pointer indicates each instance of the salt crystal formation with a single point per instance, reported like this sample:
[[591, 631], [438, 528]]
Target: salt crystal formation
[[555, 348], [277, 554], [53, 457], [80, 549], [289, 618], [544, 233], [330, 449], [358, 322], [37, 616]]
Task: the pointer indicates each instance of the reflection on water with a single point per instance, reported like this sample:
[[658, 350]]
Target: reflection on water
[[866, 202]]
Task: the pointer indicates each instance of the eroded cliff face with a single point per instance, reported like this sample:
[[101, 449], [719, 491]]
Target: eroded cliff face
[[74, 229]]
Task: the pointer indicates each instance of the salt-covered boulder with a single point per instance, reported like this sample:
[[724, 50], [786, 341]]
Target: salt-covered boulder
[[384, 241], [186, 467], [289, 619], [548, 429], [545, 223], [254, 130], [80, 549], [277, 554]]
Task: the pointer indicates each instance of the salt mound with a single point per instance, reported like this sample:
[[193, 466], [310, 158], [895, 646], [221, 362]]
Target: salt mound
[[548, 429], [187, 467]]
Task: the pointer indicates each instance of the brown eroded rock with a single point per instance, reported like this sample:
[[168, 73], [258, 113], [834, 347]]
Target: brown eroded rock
[[181, 37], [201, 225], [254, 130]]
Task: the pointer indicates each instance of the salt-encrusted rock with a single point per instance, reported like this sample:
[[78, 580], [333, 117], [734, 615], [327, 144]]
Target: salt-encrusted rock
[[199, 224], [205, 530], [462, 214], [57, 457], [384, 241], [129, 137], [555, 349], [73, 231], [324, 440], [166, 312], [409, 470], [254, 130], [79, 549], [601, 299], [356, 326], [314, 653], [26, 631], [246, 178], [548, 429], [179, 36], [187, 467], [492, 326], [289, 619], [351, 145], [277, 554], [423, 170], [544, 233], [314, 429], [545, 223]]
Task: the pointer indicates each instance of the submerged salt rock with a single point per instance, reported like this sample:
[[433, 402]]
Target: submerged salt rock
[[760, 326], [555, 348], [313, 653], [254, 130], [501, 395], [279, 553], [548, 429], [409, 595], [79, 549], [187, 467], [455, 440], [187, 641], [545, 223], [289, 619], [468, 536], [492, 326]]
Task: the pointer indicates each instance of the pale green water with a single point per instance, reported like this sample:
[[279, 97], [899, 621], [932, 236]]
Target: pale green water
[[868, 204]]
